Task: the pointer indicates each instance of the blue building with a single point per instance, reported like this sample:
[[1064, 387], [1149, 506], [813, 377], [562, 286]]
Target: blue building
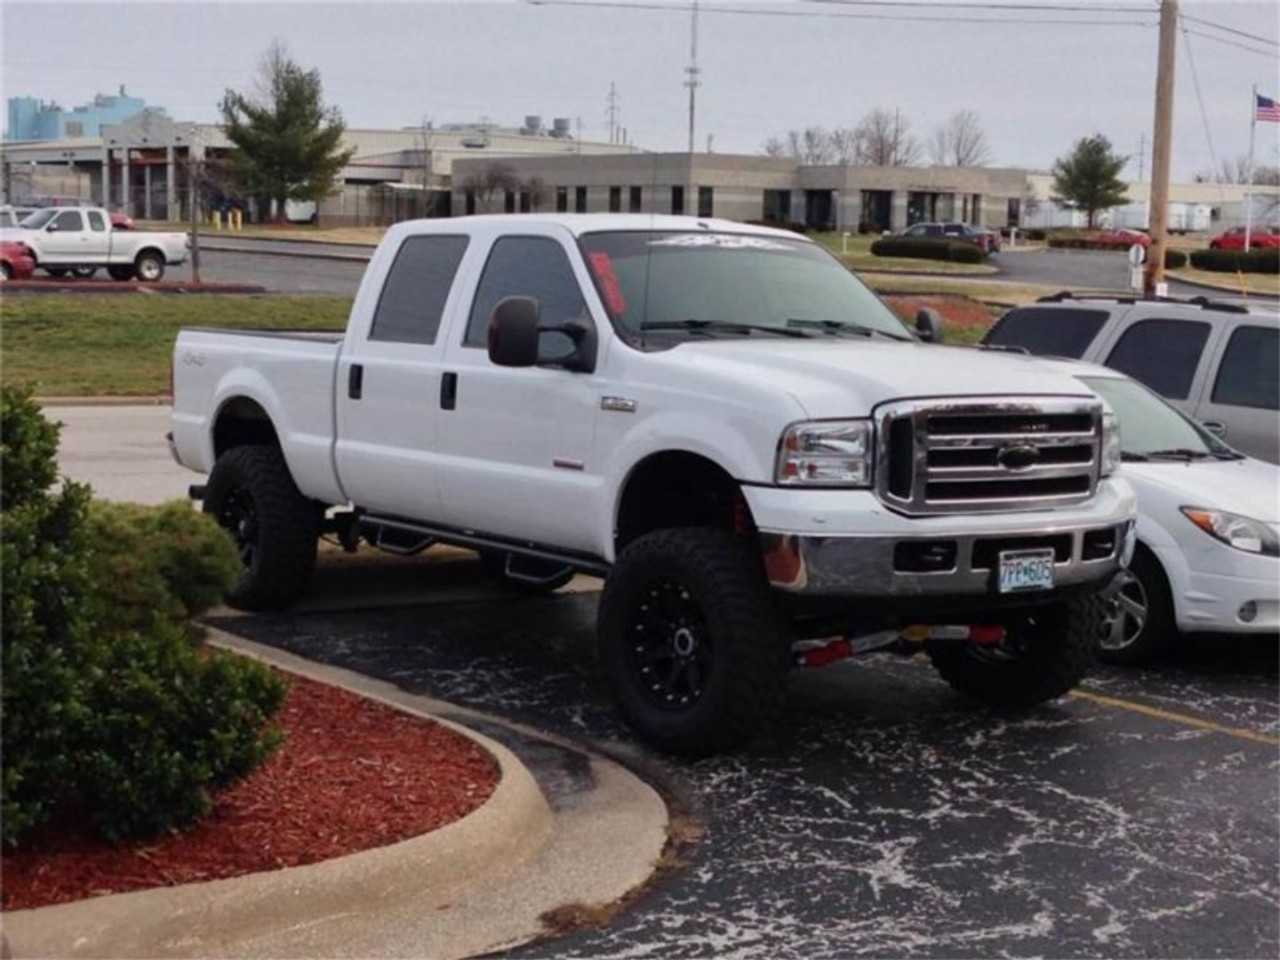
[[32, 119]]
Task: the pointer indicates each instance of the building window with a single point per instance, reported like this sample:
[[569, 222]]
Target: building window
[[562, 199], [526, 201], [615, 199], [1014, 212], [677, 200], [706, 201], [777, 205], [636, 203], [580, 199], [509, 202], [469, 202]]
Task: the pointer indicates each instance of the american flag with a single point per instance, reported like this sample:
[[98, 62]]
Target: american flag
[[1267, 109]]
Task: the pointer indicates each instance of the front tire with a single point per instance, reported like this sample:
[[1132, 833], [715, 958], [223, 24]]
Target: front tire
[[121, 273], [252, 496], [84, 273], [6, 272], [1045, 654], [695, 652], [1140, 625], [149, 267], [57, 272]]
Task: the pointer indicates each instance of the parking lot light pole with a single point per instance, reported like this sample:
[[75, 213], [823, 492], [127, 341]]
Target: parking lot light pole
[[1158, 206]]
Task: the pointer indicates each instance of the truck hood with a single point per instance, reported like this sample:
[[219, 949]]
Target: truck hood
[[832, 377], [1248, 487]]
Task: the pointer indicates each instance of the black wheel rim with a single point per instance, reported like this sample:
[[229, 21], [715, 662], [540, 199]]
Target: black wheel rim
[[239, 517], [669, 646]]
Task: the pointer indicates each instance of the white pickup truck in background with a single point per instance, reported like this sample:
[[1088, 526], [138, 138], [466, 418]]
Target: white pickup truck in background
[[81, 239], [718, 419]]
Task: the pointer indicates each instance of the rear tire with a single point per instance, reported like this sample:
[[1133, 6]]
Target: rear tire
[[84, 273], [696, 653], [149, 267], [252, 496], [121, 273], [6, 272], [531, 576], [1045, 655], [1140, 624], [57, 272]]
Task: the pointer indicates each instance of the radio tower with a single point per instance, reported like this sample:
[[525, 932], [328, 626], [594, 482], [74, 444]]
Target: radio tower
[[692, 70], [612, 113]]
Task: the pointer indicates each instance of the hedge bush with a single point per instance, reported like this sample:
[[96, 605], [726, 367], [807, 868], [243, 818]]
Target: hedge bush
[[921, 248], [1229, 261], [1174, 259], [108, 700]]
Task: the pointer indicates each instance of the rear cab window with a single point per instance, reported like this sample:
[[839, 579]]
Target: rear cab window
[[1048, 331], [1163, 354], [417, 287]]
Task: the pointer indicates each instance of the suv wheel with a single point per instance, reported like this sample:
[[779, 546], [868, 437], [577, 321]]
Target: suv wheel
[[149, 266], [252, 496], [1139, 625], [1045, 653], [693, 647]]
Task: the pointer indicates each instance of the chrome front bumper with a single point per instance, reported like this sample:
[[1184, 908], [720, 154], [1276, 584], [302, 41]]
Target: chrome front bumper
[[873, 566]]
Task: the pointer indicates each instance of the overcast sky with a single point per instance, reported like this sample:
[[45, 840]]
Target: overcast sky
[[1036, 86]]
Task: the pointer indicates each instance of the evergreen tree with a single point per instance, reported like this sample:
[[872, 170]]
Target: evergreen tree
[[287, 142], [1089, 177]]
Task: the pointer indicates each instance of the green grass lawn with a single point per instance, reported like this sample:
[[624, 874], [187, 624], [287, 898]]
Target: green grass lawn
[[86, 345]]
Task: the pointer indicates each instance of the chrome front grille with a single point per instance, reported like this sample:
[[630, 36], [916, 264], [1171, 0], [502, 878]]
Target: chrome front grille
[[984, 456]]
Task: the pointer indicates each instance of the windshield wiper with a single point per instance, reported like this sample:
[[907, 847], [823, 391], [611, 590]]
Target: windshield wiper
[[1133, 458], [840, 326], [728, 326], [1178, 453]]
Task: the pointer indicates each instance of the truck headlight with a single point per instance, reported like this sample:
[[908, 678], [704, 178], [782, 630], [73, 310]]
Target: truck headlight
[[826, 453], [1110, 444], [1243, 533]]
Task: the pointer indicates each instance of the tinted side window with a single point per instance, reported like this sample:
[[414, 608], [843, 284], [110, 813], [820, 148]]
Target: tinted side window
[[1163, 354], [70, 220], [416, 288], [528, 267], [96, 221], [1046, 331], [1250, 372]]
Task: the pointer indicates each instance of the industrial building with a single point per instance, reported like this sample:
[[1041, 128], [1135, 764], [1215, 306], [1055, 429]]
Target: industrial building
[[32, 119]]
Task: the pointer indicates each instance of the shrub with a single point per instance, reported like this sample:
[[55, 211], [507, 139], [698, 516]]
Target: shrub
[[868, 227], [106, 698], [1035, 234], [927, 249], [1229, 261], [1174, 259]]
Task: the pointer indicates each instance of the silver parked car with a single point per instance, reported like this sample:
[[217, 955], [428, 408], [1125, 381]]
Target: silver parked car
[[1216, 361]]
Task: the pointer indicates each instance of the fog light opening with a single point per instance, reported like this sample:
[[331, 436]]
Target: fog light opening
[[1248, 612]]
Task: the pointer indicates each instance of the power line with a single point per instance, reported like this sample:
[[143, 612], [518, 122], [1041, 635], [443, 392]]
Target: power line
[[815, 15], [1204, 114], [1270, 55], [1226, 29], [947, 4]]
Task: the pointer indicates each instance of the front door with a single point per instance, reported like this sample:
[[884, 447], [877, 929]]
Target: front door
[[64, 239], [516, 450]]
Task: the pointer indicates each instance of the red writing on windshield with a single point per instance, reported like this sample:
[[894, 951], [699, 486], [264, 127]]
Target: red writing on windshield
[[602, 267]]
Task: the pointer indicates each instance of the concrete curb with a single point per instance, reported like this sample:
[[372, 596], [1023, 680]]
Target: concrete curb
[[1232, 291], [226, 917], [106, 401], [296, 254]]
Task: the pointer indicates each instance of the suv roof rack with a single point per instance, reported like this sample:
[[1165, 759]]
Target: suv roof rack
[[1202, 302]]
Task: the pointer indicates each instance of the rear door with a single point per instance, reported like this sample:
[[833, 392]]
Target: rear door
[[1242, 389], [388, 382], [96, 245], [517, 443]]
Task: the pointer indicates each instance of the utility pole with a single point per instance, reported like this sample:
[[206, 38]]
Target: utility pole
[[692, 70], [612, 112], [1153, 278]]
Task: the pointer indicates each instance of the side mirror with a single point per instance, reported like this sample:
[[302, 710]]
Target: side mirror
[[513, 332], [52, 228], [515, 338], [929, 325]]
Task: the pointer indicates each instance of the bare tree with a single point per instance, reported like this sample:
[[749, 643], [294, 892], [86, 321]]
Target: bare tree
[[483, 184], [815, 146], [960, 142], [536, 188], [885, 140], [774, 147], [846, 144]]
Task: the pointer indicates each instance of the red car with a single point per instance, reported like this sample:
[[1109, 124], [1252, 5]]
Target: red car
[[16, 262], [1233, 239], [1121, 238]]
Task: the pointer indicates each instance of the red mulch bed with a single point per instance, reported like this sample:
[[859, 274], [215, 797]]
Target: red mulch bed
[[351, 775], [956, 310]]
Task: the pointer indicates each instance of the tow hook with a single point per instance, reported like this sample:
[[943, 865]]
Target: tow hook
[[907, 640], [982, 635]]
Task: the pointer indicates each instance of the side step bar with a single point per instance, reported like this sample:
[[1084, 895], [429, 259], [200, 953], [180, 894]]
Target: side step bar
[[582, 562]]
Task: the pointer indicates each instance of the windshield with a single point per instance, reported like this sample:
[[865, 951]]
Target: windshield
[[1149, 425], [39, 219], [718, 284]]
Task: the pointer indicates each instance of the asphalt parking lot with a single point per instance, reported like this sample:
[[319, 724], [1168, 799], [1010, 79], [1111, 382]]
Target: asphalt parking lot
[[886, 816]]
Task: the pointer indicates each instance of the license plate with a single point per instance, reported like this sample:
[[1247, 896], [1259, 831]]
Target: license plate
[[1026, 570]]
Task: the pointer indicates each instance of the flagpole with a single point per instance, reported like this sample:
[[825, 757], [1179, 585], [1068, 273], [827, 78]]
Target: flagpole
[[1248, 190]]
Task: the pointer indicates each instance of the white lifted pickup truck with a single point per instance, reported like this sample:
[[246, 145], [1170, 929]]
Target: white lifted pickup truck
[[81, 239], [718, 419]]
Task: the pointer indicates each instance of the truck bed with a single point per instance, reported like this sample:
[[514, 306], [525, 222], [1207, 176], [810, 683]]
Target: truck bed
[[319, 336]]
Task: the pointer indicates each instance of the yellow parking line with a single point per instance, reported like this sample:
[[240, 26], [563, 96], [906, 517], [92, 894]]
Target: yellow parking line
[[1180, 718]]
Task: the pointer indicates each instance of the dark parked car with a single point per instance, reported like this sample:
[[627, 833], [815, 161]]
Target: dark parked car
[[988, 241]]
